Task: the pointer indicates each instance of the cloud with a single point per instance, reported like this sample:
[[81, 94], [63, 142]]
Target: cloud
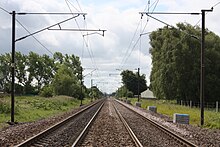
[[119, 17]]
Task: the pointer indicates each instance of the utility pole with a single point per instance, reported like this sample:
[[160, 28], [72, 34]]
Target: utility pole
[[91, 89], [81, 88], [13, 69], [202, 68], [138, 84], [202, 76], [14, 40]]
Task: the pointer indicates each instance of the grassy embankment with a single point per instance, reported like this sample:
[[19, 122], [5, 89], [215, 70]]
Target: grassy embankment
[[212, 119], [31, 108]]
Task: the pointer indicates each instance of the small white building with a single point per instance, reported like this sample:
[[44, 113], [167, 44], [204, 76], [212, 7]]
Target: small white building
[[147, 94]]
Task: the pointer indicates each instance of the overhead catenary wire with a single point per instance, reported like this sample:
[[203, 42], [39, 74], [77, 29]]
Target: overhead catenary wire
[[207, 12], [128, 54], [35, 38], [5, 10], [86, 42], [28, 31]]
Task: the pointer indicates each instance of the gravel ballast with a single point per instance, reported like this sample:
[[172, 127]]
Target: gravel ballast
[[108, 130], [200, 136], [15, 134]]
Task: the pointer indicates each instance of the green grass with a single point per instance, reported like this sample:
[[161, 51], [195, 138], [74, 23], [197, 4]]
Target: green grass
[[212, 119], [31, 108]]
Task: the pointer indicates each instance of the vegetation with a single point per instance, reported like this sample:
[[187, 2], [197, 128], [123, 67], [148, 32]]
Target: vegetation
[[165, 107], [176, 64], [130, 84], [34, 108], [41, 74]]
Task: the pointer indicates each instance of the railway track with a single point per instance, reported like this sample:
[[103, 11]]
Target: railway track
[[67, 132], [110, 129], [133, 136], [170, 138]]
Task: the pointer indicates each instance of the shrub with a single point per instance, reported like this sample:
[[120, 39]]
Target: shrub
[[46, 91]]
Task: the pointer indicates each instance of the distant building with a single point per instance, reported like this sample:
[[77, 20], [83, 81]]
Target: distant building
[[147, 94]]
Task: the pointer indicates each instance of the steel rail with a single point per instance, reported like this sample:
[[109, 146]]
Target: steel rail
[[133, 136], [40, 135], [172, 134], [85, 130]]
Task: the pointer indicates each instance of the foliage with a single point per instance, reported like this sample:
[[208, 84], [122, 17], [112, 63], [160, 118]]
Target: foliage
[[46, 91], [95, 92], [131, 81], [168, 107], [176, 63], [66, 83], [5, 72], [34, 108], [34, 71]]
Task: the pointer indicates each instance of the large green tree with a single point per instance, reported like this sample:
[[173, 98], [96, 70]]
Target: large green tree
[[66, 83], [176, 63], [131, 81], [5, 69]]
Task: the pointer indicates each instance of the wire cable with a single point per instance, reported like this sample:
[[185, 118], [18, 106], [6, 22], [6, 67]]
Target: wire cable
[[28, 31], [126, 57], [79, 6], [5, 10], [86, 42], [34, 37]]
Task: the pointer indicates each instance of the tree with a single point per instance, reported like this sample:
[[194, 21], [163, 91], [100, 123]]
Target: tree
[[5, 69], [130, 80], [176, 63], [35, 68], [21, 71], [66, 83]]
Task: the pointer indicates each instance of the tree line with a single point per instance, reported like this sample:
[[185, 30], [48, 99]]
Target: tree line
[[130, 82], [45, 75], [176, 63]]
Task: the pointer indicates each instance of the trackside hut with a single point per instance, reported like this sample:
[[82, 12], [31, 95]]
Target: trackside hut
[[147, 94]]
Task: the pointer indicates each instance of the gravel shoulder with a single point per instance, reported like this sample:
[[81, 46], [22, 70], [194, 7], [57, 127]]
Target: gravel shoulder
[[199, 136], [15, 134]]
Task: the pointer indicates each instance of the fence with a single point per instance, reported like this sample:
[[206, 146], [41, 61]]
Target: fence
[[209, 105]]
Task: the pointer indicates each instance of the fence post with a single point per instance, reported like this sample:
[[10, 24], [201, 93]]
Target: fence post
[[190, 104], [216, 106], [181, 102]]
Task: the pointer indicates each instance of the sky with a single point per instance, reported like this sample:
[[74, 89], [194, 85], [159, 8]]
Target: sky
[[103, 57]]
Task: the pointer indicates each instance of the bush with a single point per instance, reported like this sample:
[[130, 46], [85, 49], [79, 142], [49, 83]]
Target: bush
[[130, 94], [46, 91]]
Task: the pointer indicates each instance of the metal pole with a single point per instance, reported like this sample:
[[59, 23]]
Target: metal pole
[[81, 96], [138, 84], [91, 90], [13, 68], [202, 75], [202, 70]]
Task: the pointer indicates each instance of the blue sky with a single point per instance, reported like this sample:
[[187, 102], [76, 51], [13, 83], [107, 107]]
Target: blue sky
[[117, 48]]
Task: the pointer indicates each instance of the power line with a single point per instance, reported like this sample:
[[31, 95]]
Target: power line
[[86, 42], [207, 13], [34, 37], [5, 10], [71, 5], [28, 32], [79, 6], [125, 58]]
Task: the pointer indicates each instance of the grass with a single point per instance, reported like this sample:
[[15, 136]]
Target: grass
[[212, 119], [31, 108]]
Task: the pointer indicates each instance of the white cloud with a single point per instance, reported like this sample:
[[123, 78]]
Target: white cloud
[[119, 17]]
